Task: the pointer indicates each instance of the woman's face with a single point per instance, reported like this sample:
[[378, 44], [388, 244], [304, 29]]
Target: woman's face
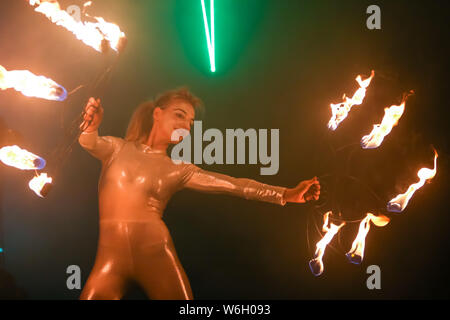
[[179, 114]]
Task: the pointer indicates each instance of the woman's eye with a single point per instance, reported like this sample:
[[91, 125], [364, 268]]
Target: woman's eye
[[180, 115]]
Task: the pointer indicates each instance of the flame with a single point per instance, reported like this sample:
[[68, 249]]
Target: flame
[[340, 111], [31, 85], [390, 119], [316, 264], [356, 253], [40, 184], [21, 159], [91, 33], [399, 203]]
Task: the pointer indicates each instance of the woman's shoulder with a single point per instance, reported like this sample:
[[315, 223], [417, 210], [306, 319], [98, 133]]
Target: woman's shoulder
[[185, 169], [116, 139], [117, 142]]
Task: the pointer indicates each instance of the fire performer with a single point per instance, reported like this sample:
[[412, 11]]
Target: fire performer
[[137, 180]]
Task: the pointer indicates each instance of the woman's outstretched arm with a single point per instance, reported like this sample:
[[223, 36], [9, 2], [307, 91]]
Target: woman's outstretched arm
[[212, 182]]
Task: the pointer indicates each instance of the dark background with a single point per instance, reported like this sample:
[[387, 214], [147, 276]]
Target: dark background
[[279, 65]]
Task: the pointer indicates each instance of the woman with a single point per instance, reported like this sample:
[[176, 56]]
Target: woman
[[136, 182]]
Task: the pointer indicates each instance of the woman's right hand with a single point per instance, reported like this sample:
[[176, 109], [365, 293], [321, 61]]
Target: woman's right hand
[[307, 190], [93, 115]]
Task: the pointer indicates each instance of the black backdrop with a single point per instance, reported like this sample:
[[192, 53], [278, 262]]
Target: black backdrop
[[280, 64]]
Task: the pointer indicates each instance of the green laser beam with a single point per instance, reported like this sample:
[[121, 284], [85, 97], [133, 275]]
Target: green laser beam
[[210, 37]]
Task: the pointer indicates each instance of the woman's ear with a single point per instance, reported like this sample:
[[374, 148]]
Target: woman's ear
[[157, 114]]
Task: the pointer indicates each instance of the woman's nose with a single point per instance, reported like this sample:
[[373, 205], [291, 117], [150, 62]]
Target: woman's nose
[[186, 125]]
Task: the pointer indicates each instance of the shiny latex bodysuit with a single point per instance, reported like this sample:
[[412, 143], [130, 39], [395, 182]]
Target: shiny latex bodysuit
[[134, 244]]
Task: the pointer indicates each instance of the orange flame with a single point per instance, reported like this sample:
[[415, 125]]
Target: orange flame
[[91, 33], [316, 264], [340, 111], [31, 85], [399, 203], [356, 253], [21, 159], [390, 119], [38, 183]]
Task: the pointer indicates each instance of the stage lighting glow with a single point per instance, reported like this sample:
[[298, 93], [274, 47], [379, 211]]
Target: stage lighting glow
[[210, 37]]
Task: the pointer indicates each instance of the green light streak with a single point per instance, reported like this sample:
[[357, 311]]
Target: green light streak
[[210, 38]]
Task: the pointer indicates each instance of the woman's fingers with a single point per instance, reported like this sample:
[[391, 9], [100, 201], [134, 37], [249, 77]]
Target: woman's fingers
[[314, 189], [93, 103], [306, 190], [93, 113], [311, 197], [93, 106], [313, 192], [314, 181], [315, 184]]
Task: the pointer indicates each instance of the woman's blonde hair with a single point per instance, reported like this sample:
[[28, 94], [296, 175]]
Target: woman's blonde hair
[[141, 122]]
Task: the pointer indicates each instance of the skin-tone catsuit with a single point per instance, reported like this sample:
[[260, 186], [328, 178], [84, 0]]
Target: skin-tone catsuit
[[136, 182]]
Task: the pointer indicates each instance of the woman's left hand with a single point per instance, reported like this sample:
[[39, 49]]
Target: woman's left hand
[[305, 191]]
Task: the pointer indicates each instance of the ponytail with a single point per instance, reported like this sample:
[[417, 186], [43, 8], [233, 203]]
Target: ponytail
[[141, 123]]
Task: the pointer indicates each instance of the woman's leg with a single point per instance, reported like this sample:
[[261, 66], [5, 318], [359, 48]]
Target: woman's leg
[[103, 286], [113, 264], [161, 275]]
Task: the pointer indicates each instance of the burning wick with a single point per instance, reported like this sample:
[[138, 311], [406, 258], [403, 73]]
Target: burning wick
[[391, 117], [356, 253], [340, 111], [21, 159], [399, 203], [92, 34], [316, 264], [41, 185], [31, 85]]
